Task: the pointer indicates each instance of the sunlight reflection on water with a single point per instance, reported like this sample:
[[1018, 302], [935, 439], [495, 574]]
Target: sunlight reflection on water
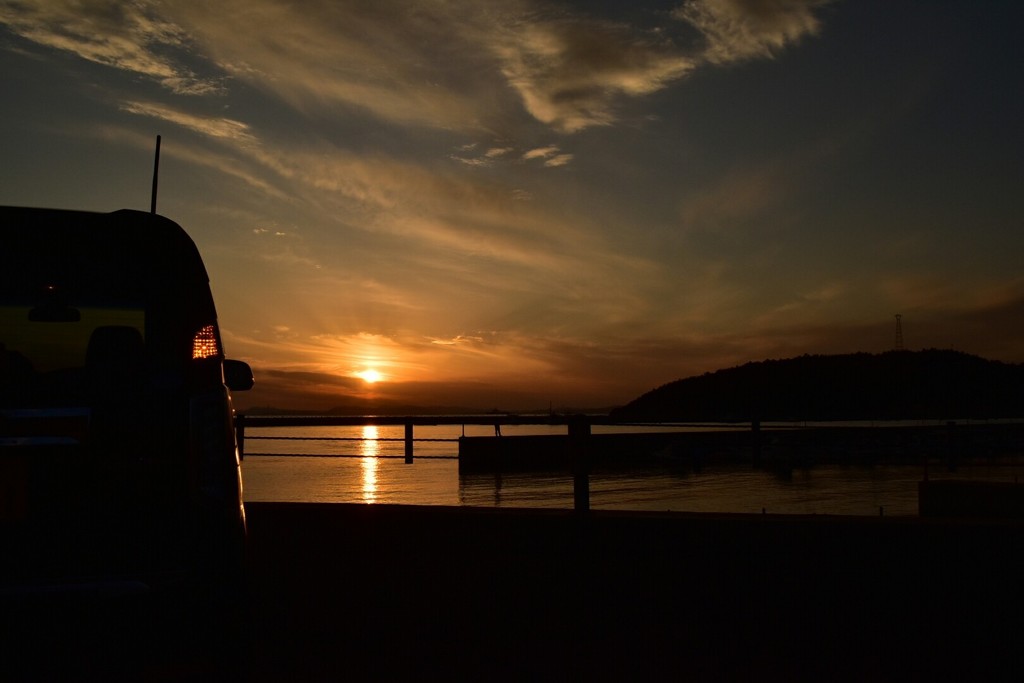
[[820, 490], [369, 449]]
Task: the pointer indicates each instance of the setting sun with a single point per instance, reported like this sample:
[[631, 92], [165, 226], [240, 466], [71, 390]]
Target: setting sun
[[370, 376]]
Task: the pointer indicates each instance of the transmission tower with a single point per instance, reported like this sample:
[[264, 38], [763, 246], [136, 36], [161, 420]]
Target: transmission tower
[[898, 346]]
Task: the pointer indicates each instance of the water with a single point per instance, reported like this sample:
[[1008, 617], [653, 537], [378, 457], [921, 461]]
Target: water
[[374, 471]]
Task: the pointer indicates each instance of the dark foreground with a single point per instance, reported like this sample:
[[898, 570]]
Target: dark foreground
[[397, 592]]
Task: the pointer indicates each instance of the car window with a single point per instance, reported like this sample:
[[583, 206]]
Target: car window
[[90, 297], [51, 346]]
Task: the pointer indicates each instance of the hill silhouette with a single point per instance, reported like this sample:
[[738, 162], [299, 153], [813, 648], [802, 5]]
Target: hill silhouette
[[929, 384]]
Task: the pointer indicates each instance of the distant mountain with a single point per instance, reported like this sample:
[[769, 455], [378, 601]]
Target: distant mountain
[[930, 384]]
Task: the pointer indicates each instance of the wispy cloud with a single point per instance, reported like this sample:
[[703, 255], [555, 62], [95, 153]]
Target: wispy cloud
[[391, 59], [737, 30], [269, 231], [738, 198], [460, 65], [571, 71], [203, 155], [215, 127], [400, 61], [550, 156], [929, 292], [540, 152], [474, 232], [130, 36], [473, 161]]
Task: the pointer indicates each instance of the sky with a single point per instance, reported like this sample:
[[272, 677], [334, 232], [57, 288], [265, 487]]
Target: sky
[[527, 204]]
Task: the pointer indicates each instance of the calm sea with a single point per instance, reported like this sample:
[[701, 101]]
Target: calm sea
[[366, 465]]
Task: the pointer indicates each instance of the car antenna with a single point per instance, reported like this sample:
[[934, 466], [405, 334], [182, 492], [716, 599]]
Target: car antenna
[[156, 172]]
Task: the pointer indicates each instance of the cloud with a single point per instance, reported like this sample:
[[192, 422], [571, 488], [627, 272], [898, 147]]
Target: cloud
[[446, 211], [215, 127], [394, 61], [995, 330], [126, 36], [458, 340], [201, 155], [938, 292], [540, 152], [473, 161], [475, 230], [810, 305], [569, 72], [558, 160], [549, 154], [314, 378], [740, 197], [738, 30], [459, 66]]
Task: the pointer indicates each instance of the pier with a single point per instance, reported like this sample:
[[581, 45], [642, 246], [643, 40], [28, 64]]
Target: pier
[[378, 592], [382, 592], [371, 592], [391, 592]]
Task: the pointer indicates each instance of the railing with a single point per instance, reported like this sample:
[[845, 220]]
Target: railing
[[578, 431], [950, 440], [410, 422], [788, 445], [360, 439]]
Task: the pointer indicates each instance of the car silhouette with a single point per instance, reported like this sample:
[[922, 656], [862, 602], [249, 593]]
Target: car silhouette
[[119, 471]]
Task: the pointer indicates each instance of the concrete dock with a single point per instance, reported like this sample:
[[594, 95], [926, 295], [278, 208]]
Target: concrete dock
[[787, 447], [374, 592]]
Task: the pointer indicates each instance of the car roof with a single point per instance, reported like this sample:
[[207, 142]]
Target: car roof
[[148, 246]]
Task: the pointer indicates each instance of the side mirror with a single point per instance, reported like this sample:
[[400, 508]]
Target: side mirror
[[238, 375]]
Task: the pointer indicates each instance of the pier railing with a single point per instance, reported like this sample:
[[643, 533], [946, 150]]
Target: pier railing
[[409, 422], [578, 431], [887, 441], [782, 447]]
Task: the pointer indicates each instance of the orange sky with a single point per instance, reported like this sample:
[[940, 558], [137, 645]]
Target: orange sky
[[527, 203]]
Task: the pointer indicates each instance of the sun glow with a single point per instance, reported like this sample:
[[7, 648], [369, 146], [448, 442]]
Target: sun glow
[[370, 375]]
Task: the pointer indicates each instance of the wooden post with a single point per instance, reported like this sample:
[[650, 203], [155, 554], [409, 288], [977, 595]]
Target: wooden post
[[579, 435], [755, 441], [408, 443]]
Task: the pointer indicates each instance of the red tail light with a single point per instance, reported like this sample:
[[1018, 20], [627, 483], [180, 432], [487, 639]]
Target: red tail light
[[205, 343]]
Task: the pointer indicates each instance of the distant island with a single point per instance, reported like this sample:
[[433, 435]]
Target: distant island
[[929, 384]]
